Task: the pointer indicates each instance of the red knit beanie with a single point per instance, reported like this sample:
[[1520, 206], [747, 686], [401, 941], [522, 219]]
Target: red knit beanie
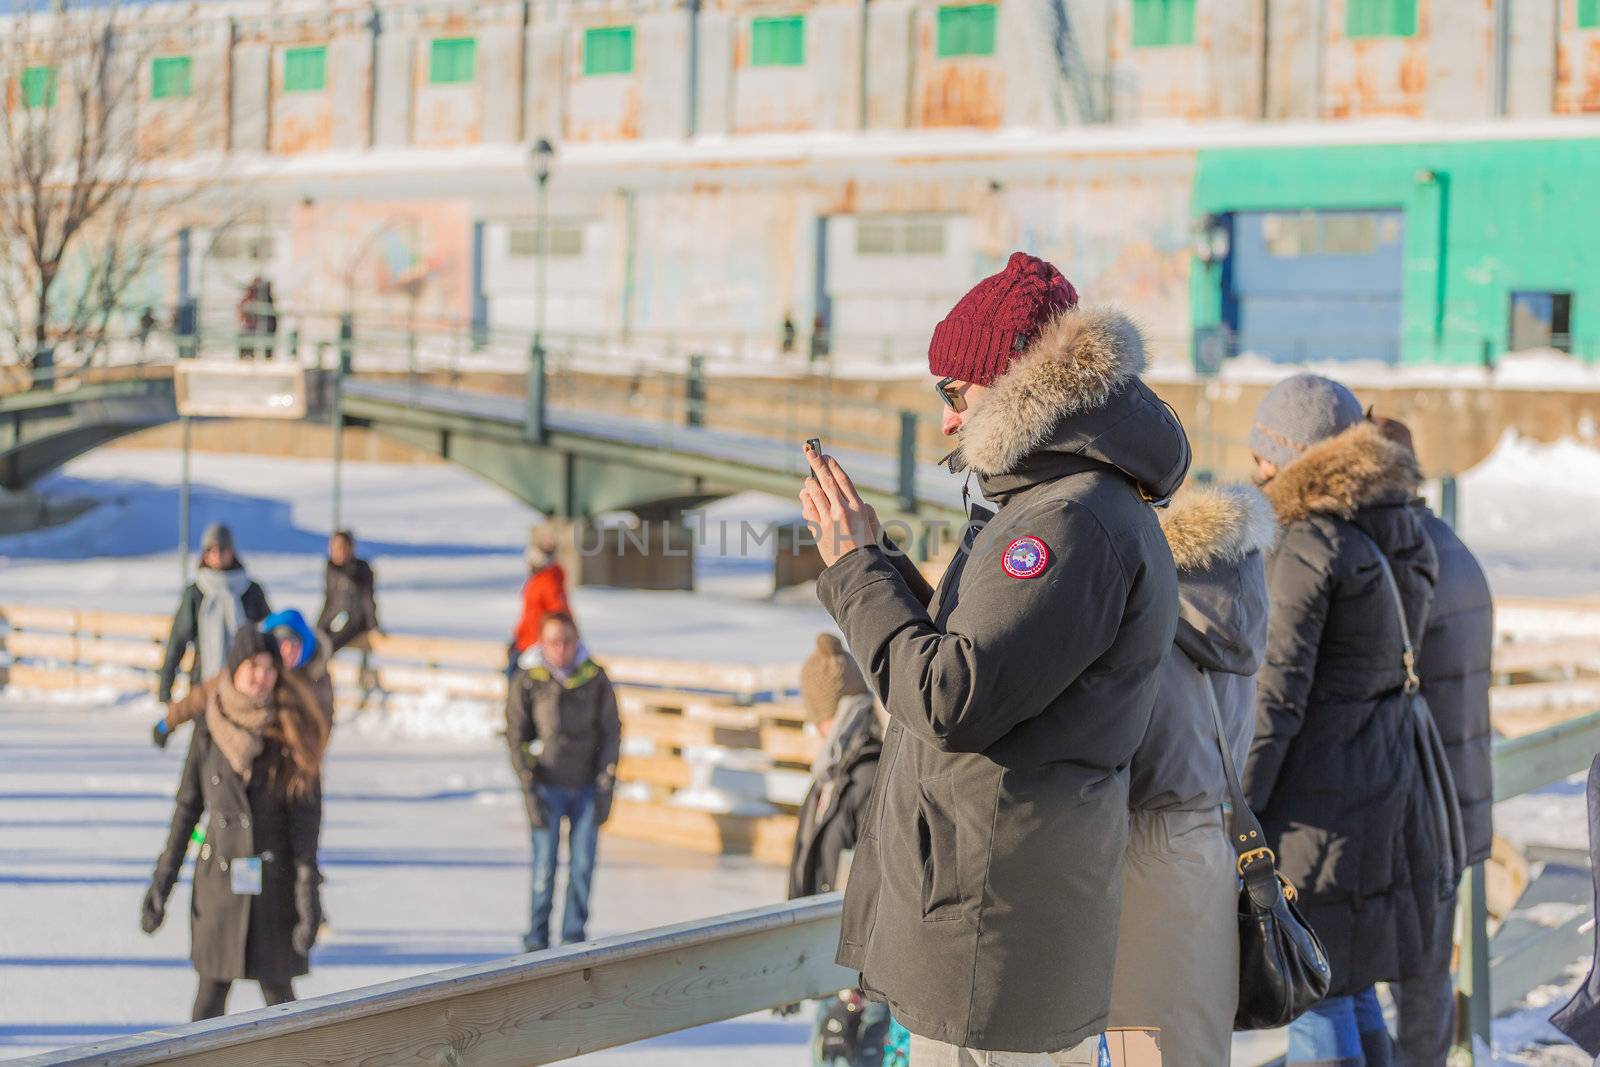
[[993, 324]]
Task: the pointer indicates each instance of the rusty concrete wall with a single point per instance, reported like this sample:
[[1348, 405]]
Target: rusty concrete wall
[[1577, 76], [299, 122], [1217, 77], [660, 62], [350, 88], [1532, 58], [1460, 65], [250, 101], [891, 32], [544, 88], [1373, 76], [603, 107], [717, 46], [500, 58], [392, 112], [953, 91], [1294, 58], [192, 124]]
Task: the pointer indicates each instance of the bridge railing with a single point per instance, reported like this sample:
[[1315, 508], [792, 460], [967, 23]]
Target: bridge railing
[[555, 1005]]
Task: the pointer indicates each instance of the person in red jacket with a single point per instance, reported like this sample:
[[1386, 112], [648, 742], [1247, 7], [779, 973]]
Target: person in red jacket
[[543, 594]]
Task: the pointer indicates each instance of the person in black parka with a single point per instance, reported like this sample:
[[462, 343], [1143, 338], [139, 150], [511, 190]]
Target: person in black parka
[[253, 769], [349, 599], [848, 1030], [1334, 771], [1455, 663]]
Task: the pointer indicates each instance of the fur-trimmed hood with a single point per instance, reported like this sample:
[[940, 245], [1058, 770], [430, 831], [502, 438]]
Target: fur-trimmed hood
[[1219, 537], [1359, 468], [1076, 391]]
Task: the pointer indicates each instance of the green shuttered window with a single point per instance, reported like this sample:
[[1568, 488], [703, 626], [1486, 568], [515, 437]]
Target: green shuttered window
[[778, 42], [1588, 14], [966, 30], [39, 87], [305, 70], [169, 77], [1380, 18], [608, 50], [1161, 23], [453, 60]]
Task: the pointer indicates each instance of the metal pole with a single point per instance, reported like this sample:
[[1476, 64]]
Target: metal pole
[[908, 460], [346, 344], [183, 509], [1449, 501], [535, 423], [1473, 978]]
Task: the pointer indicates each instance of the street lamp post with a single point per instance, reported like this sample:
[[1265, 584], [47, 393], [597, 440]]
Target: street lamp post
[[540, 156]]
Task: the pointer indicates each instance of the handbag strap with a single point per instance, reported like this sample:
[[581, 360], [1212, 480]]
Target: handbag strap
[[1408, 657], [1244, 831]]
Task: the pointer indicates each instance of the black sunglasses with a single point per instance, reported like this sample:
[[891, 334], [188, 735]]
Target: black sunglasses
[[953, 398]]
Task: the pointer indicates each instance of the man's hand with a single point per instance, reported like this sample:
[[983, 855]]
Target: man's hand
[[831, 506]]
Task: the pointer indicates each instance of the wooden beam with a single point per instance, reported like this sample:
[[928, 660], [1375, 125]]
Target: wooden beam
[[524, 1010]]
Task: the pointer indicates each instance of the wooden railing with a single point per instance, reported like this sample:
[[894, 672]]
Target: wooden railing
[[715, 757]]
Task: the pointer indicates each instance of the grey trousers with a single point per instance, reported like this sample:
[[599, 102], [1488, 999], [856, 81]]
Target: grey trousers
[[926, 1052], [1178, 942]]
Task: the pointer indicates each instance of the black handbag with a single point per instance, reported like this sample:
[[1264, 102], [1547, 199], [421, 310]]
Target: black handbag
[[1283, 969]]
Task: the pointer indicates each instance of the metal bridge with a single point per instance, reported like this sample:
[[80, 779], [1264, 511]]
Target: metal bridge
[[584, 444]]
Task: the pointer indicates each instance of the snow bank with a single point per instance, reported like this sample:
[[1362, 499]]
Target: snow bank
[[1529, 513]]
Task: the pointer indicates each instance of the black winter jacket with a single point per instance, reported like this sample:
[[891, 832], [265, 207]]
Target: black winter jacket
[[834, 811], [348, 590], [185, 623], [562, 733], [1454, 661], [1333, 771], [984, 895], [231, 935]]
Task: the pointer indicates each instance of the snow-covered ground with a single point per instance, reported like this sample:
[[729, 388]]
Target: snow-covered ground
[[425, 851]]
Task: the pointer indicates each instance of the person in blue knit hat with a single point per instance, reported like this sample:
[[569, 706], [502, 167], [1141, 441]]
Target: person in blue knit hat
[[305, 654]]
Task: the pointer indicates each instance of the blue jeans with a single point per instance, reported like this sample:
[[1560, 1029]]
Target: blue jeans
[[1342, 1032], [576, 808]]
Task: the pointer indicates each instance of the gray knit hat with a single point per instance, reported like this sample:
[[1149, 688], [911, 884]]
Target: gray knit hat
[[217, 535], [1297, 413]]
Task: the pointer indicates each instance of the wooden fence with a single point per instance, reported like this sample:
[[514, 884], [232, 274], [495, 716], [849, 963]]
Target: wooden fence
[[715, 756]]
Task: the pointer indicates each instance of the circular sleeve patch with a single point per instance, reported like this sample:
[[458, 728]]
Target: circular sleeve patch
[[1026, 557]]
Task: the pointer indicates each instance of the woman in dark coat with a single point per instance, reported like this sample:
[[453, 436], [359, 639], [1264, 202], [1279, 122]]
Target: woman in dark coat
[[1334, 772], [849, 1030], [253, 769]]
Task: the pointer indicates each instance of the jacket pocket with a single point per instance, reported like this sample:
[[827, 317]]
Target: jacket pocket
[[936, 848]]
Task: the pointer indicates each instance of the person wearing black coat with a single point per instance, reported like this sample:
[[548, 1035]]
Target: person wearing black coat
[[1334, 771], [349, 599], [220, 600], [1455, 663], [252, 770], [849, 1030]]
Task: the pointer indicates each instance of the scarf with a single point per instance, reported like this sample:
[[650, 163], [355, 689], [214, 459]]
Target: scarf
[[220, 613], [534, 657], [854, 716], [237, 723]]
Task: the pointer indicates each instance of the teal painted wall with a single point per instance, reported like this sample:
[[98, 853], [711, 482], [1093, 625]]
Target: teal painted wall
[[1495, 217]]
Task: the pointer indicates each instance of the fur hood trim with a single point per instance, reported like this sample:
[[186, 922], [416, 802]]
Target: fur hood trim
[[1344, 474], [1075, 364], [1214, 525]]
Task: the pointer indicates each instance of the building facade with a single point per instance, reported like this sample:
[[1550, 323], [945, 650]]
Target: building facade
[[1402, 180]]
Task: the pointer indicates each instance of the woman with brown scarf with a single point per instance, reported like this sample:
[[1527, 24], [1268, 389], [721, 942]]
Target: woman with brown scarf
[[253, 769]]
